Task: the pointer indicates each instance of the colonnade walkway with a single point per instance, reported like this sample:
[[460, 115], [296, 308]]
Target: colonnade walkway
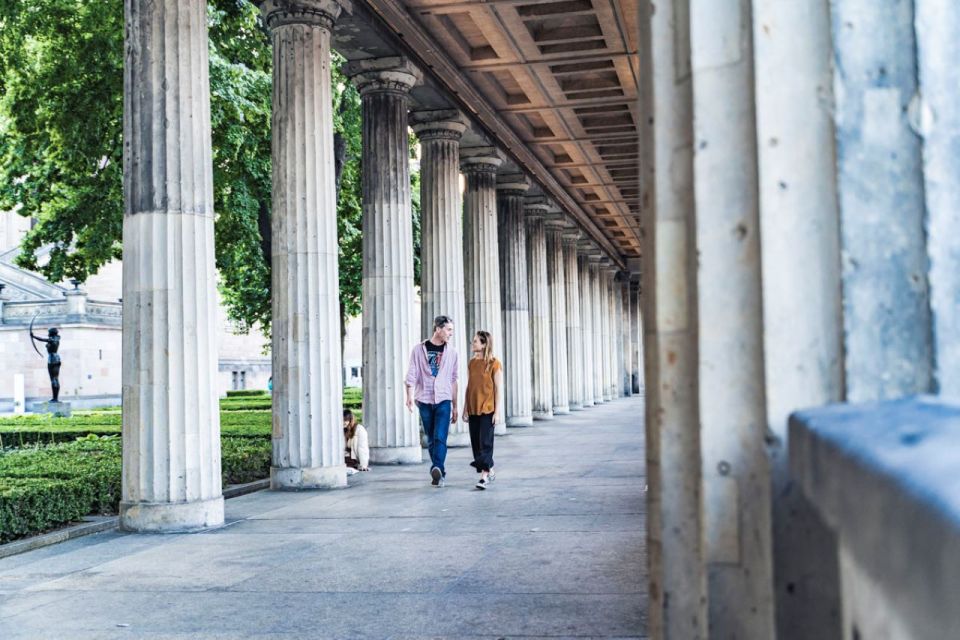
[[554, 549]]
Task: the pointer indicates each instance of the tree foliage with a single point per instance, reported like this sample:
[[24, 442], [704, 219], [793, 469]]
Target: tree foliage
[[61, 122]]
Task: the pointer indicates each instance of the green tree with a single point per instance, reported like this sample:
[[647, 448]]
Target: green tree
[[61, 117]]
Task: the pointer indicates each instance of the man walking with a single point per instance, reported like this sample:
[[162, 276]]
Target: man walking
[[432, 385]]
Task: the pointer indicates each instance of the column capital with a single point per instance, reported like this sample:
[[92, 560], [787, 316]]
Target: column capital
[[438, 124], [392, 74], [480, 159], [321, 13], [571, 236], [512, 184], [536, 207]]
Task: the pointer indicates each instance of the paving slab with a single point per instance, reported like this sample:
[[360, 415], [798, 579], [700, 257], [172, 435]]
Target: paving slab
[[554, 549]]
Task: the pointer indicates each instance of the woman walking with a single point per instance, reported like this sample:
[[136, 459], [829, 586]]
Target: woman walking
[[484, 404]]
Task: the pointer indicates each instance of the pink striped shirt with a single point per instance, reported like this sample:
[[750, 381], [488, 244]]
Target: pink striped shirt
[[429, 389]]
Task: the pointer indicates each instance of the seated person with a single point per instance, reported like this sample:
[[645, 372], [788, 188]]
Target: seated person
[[356, 451]]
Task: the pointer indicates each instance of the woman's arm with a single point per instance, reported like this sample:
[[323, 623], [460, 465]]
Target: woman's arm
[[498, 397]]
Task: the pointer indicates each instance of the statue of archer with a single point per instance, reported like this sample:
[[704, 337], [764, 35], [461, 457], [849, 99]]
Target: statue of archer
[[53, 358]]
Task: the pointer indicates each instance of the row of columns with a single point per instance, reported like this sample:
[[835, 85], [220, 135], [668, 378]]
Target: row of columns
[[545, 297]]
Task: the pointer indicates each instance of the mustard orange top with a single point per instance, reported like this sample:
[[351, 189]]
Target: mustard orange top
[[481, 392]]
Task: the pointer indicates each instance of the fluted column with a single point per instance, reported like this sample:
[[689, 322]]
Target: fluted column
[[481, 255], [307, 384], [586, 322], [624, 317], [171, 418], [441, 238], [636, 336], [516, 306], [574, 329], [556, 284], [541, 358], [388, 331], [608, 311], [596, 333]]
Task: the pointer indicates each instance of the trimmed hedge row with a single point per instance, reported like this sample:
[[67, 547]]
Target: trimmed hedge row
[[42, 487], [246, 393]]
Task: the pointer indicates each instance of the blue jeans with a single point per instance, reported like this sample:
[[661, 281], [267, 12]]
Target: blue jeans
[[436, 424]]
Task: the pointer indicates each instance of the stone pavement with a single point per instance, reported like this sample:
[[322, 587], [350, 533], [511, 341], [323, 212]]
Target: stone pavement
[[555, 549]]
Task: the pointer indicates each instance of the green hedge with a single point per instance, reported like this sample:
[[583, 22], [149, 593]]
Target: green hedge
[[42, 487], [247, 393]]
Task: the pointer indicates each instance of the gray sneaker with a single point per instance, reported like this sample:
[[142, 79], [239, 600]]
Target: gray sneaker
[[436, 475]]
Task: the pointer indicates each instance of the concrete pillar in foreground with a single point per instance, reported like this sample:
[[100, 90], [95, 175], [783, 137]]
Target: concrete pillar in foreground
[[888, 349], [557, 289], [305, 344], [541, 355], [938, 47], [586, 323], [481, 255], [574, 330], [441, 253], [736, 474], [388, 331], [518, 389], [171, 417], [595, 353], [676, 561]]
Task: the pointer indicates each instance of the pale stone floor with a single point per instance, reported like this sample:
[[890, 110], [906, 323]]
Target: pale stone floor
[[555, 549]]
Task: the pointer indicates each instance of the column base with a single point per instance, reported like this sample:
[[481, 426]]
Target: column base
[[561, 411], [396, 455], [500, 429], [587, 403], [543, 415], [455, 440], [171, 517], [520, 421], [295, 478], [576, 406]]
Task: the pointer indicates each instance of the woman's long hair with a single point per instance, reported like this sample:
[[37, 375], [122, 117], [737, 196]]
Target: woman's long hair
[[487, 341], [349, 425]]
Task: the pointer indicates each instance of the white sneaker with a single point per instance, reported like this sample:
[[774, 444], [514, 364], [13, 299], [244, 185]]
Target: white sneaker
[[482, 484]]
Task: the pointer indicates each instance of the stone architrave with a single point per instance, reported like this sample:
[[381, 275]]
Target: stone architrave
[[171, 419], [556, 286], [515, 300], [481, 262], [441, 253], [307, 382], [541, 357], [586, 323], [388, 331], [574, 329], [596, 333]]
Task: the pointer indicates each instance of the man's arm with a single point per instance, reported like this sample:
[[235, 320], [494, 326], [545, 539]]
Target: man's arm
[[453, 411], [411, 379]]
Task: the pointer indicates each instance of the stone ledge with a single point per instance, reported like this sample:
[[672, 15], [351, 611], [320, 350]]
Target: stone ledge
[[886, 478]]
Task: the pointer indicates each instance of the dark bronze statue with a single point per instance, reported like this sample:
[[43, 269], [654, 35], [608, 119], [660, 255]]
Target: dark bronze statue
[[53, 358]]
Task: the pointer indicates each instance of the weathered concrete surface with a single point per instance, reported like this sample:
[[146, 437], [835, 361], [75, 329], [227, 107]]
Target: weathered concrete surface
[[550, 550], [736, 473], [800, 255], [886, 308], [883, 476]]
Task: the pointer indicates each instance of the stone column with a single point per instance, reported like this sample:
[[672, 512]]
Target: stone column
[[800, 257], [388, 331], [171, 417], [938, 45], [888, 349], [586, 324], [614, 338], [574, 329], [676, 560], [540, 354], [557, 286], [636, 336], [516, 302], [626, 336], [441, 253], [480, 249], [604, 276], [307, 381], [596, 328]]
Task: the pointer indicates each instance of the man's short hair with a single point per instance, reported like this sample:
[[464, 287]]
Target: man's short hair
[[441, 321]]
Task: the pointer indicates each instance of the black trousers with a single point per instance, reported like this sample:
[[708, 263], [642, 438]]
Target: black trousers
[[481, 440]]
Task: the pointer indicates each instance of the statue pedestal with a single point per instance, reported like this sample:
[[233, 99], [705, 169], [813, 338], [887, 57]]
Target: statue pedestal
[[58, 409]]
